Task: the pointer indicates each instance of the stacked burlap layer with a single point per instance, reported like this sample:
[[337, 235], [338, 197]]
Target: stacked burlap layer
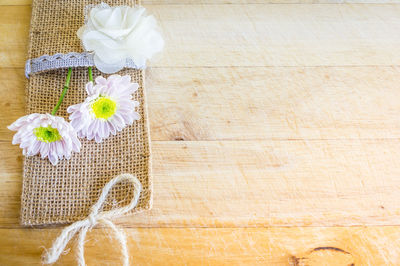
[[64, 193]]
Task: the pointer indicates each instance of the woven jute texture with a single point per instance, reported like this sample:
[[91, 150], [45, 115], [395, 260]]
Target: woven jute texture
[[64, 193]]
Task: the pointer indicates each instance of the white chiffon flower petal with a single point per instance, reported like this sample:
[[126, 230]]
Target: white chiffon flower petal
[[107, 67], [109, 108], [115, 34], [45, 134]]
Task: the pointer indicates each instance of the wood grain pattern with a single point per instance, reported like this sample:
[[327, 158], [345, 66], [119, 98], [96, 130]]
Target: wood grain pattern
[[262, 116], [256, 183], [218, 246], [261, 35], [14, 28], [243, 103], [200, 2]]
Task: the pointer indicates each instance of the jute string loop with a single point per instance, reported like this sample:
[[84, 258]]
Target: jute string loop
[[95, 217]]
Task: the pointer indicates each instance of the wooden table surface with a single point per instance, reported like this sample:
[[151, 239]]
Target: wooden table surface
[[275, 132]]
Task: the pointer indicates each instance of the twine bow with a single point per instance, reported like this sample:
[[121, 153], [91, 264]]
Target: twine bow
[[95, 217]]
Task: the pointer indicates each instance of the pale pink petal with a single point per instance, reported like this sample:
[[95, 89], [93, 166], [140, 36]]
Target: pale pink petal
[[53, 158], [89, 87], [100, 80], [44, 150], [97, 138], [31, 146], [119, 89]]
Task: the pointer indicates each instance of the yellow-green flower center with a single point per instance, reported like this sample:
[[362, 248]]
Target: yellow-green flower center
[[47, 134], [104, 108]]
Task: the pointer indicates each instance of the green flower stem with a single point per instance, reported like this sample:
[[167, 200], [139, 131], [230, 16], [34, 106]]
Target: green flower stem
[[66, 86], [90, 74]]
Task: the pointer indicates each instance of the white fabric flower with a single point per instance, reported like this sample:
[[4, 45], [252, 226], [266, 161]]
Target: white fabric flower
[[115, 34], [108, 108], [49, 135]]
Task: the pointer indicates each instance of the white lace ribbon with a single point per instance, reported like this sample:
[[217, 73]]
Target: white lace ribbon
[[95, 217], [73, 59]]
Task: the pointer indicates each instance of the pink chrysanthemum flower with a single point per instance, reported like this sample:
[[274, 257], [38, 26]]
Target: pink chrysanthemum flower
[[108, 108], [49, 135]]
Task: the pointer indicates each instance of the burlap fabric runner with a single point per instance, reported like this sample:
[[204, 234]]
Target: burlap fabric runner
[[65, 193]]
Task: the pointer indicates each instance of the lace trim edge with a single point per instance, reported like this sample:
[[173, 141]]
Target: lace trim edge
[[72, 59]]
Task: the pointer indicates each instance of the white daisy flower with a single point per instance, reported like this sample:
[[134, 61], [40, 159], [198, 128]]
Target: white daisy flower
[[108, 108], [49, 135]]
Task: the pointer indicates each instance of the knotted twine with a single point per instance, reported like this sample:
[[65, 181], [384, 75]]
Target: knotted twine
[[95, 217]]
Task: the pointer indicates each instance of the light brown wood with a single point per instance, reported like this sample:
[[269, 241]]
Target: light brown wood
[[14, 28], [256, 183], [243, 103], [279, 35], [262, 116], [263, 103], [15, 2], [149, 2], [218, 246], [253, 35]]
